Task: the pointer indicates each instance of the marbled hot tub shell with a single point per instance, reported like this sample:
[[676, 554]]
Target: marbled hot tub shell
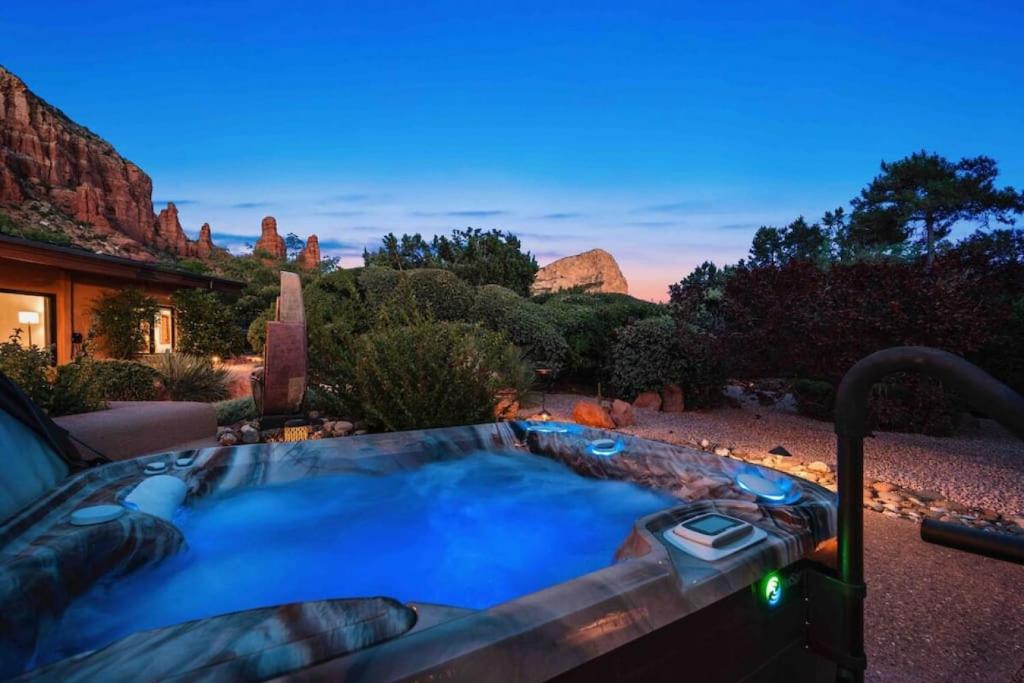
[[645, 585]]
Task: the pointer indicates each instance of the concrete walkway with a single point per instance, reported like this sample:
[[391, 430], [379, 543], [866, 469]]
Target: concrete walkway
[[131, 428]]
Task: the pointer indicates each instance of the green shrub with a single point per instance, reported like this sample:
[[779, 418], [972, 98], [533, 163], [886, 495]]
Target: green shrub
[[205, 324], [440, 293], [527, 324], [31, 369], [650, 353], [257, 334], [235, 410], [645, 356], [587, 322], [118, 319], [191, 378], [431, 374], [335, 315], [378, 284], [903, 402], [125, 380], [75, 389], [814, 399]]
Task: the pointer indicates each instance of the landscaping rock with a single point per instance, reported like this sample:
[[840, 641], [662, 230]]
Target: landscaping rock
[[622, 413], [250, 434], [819, 466], [672, 399], [342, 428], [592, 415], [228, 438], [722, 451], [650, 400]]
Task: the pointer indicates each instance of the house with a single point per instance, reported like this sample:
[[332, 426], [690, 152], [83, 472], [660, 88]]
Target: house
[[47, 291]]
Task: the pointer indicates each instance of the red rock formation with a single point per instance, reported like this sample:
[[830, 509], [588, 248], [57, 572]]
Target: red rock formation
[[270, 243], [46, 156], [204, 246], [169, 235], [309, 257]]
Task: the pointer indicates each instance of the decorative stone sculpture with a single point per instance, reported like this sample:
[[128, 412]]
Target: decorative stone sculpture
[[279, 386]]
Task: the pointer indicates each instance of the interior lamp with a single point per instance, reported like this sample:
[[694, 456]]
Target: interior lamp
[[29, 318]]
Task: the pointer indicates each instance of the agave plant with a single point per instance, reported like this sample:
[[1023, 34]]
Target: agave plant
[[191, 378]]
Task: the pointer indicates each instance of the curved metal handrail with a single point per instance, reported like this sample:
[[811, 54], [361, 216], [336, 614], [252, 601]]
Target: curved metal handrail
[[982, 391]]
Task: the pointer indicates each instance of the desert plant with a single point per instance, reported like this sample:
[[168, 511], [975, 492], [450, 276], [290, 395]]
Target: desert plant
[[430, 374], [191, 378], [118, 320], [235, 410], [125, 380], [205, 324]]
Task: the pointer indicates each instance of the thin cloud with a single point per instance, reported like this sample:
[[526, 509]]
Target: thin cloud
[[561, 216], [176, 202], [335, 244], [480, 213], [738, 226], [250, 205], [687, 206]]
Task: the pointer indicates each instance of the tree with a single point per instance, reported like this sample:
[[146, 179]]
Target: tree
[[206, 326], [293, 244], [925, 195], [798, 241], [493, 257], [119, 319]]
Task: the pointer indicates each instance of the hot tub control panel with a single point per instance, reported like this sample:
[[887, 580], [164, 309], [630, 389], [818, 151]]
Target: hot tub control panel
[[713, 536]]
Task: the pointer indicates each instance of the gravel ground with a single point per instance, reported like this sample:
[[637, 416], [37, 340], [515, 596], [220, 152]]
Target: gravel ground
[[936, 614], [984, 466], [932, 613]]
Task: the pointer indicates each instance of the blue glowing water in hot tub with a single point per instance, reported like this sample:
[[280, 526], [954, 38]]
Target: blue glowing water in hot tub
[[471, 532]]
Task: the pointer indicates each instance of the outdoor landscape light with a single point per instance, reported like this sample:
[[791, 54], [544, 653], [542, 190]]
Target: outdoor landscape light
[[543, 415], [772, 590], [29, 318]]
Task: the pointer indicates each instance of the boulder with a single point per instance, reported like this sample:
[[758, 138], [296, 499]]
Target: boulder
[[342, 428], [507, 407], [672, 399], [650, 400], [250, 434], [592, 415], [622, 413], [594, 271]]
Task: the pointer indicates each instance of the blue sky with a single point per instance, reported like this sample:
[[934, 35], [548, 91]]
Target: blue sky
[[665, 133]]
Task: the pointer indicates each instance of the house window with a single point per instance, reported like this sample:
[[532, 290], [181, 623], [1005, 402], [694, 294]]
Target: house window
[[163, 331], [159, 334], [28, 316]]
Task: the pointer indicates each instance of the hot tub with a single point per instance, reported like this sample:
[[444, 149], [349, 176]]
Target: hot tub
[[516, 551]]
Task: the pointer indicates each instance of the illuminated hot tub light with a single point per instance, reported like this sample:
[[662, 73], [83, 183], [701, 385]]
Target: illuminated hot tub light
[[605, 447]]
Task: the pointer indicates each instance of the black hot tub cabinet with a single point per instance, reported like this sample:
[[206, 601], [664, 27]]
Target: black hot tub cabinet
[[655, 613]]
